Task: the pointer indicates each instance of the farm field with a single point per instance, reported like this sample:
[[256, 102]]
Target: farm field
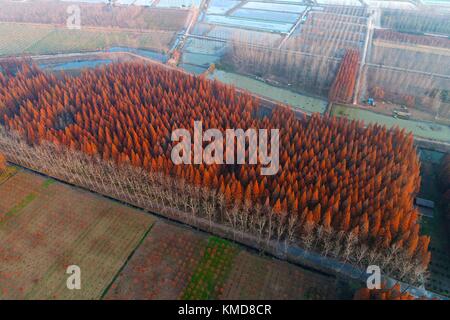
[[409, 69], [419, 21], [421, 129], [296, 100], [98, 14], [258, 23], [248, 23], [308, 57], [46, 40], [174, 262], [24, 37], [263, 15], [252, 15], [76, 65], [66, 40], [436, 227], [46, 226]]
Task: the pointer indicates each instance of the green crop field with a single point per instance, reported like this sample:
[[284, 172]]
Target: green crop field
[[179, 263], [64, 40], [18, 39]]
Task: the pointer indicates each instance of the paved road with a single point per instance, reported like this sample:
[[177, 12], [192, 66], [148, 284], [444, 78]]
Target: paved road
[[367, 43]]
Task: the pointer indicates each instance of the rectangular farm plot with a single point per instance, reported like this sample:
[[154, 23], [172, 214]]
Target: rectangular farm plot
[[256, 277], [52, 226], [274, 7], [7, 173], [354, 3], [178, 263], [16, 190], [163, 265], [242, 35], [221, 6], [63, 40], [16, 38], [266, 15], [248, 23], [212, 270]]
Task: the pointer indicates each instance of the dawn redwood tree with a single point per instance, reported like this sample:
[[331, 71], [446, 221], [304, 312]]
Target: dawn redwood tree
[[2, 163], [334, 174], [343, 86]]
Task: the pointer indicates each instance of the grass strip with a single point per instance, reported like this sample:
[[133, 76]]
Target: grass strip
[[211, 271], [17, 208], [126, 262]]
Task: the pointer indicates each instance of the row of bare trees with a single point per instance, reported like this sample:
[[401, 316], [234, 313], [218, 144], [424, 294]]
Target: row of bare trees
[[2, 163], [257, 225], [307, 72], [414, 89], [426, 21], [94, 15]]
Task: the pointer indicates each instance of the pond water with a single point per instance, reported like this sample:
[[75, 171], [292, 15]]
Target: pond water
[[266, 15], [422, 129], [141, 52], [284, 96], [243, 35], [197, 70], [221, 6], [274, 7], [79, 63], [195, 45], [72, 65], [432, 156], [248, 23], [199, 59], [199, 54]]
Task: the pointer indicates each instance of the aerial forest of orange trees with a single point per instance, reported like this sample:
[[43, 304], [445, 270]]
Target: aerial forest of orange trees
[[342, 89], [334, 173], [384, 293]]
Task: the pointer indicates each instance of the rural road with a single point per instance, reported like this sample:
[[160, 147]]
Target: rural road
[[367, 43]]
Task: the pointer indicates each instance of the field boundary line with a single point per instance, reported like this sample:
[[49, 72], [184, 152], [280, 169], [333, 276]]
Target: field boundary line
[[90, 27], [141, 241], [26, 50], [202, 269], [16, 210], [9, 176]]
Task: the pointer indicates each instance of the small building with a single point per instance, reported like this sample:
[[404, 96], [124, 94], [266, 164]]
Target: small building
[[425, 207], [421, 202]]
